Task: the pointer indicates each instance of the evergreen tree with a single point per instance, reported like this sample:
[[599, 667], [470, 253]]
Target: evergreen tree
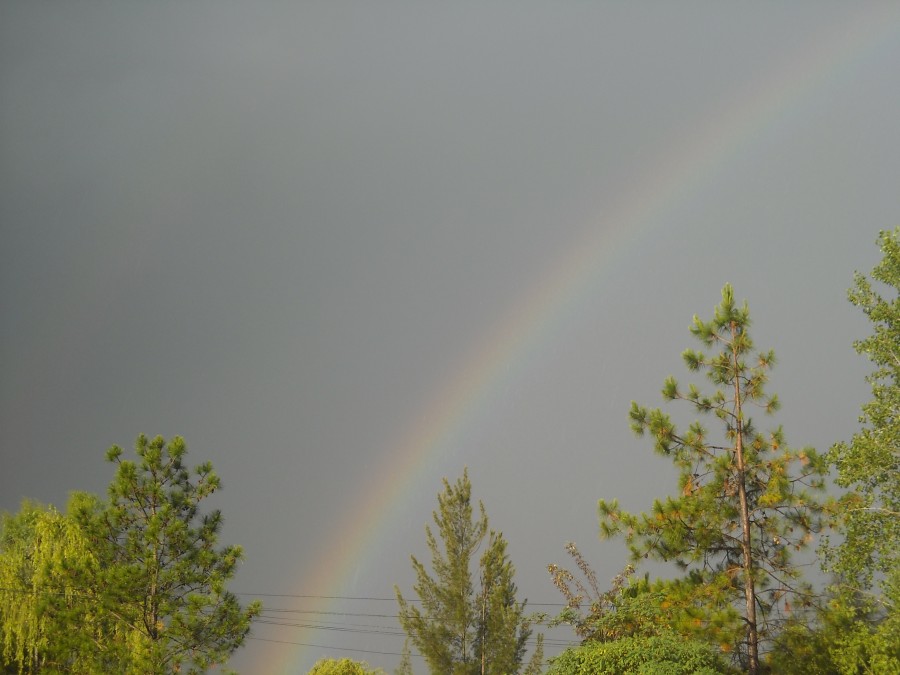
[[459, 631], [134, 585], [745, 501], [501, 641], [164, 579], [405, 665], [535, 665]]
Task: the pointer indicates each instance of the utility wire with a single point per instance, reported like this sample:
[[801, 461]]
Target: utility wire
[[266, 618], [341, 649], [368, 598], [367, 629]]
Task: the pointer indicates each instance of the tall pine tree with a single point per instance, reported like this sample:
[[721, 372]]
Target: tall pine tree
[[745, 503], [164, 578], [460, 629]]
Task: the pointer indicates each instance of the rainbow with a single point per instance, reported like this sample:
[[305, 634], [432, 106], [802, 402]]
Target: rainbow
[[542, 312]]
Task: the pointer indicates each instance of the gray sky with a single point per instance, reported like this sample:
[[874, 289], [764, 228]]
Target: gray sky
[[285, 230]]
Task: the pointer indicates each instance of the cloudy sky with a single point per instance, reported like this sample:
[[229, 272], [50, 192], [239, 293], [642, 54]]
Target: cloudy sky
[[346, 249]]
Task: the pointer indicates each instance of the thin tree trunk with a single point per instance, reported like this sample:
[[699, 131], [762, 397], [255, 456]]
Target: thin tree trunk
[[749, 589]]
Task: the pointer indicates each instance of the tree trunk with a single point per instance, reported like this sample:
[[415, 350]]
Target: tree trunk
[[749, 588]]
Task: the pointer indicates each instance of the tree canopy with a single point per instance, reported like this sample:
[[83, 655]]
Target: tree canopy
[[745, 501], [857, 630], [50, 618], [343, 667], [135, 584], [868, 558], [665, 654], [461, 630]]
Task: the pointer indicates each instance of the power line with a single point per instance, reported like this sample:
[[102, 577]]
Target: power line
[[322, 611], [550, 642], [266, 618], [341, 649], [344, 649], [368, 629], [317, 597], [369, 598]]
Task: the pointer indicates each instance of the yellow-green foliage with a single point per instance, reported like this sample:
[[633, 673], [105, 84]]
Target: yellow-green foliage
[[654, 655], [41, 551], [343, 667], [839, 642], [456, 627], [869, 466], [132, 585]]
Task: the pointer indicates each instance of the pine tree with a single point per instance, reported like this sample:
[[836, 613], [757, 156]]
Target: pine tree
[[134, 585], [501, 641], [745, 501], [164, 579], [459, 631], [405, 665]]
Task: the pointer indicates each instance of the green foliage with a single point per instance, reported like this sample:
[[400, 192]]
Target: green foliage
[[664, 654], [343, 667], [460, 631], [405, 665], [841, 640], [47, 621], [166, 577], [868, 560], [635, 608], [746, 502], [859, 632], [536, 662], [601, 615], [134, 585]]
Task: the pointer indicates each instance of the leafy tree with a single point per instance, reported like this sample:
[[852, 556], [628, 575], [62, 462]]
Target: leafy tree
[[624, 618], [745, 500], [343, 667], [841, 640], [47, 621], [664, 654], [460, 631], [868, 559], [858, 630], [165, 579]]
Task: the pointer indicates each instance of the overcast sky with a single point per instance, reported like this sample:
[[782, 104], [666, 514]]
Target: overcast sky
[[346, 249]]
